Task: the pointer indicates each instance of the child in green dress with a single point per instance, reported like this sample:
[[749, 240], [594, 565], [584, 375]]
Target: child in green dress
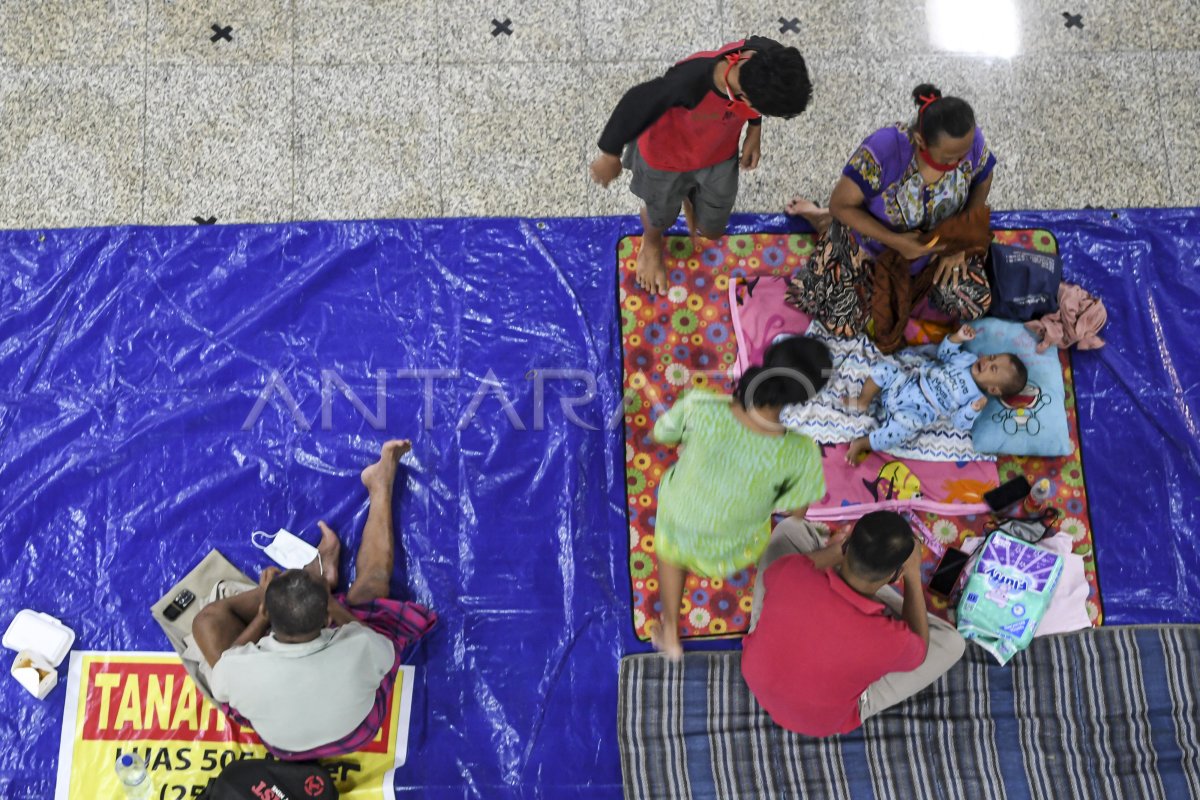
[[737, 465]]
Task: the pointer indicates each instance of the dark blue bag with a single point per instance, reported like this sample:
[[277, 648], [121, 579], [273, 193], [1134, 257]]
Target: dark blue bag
[[1024, 282]]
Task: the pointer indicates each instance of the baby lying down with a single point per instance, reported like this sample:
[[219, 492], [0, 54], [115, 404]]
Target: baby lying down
[[953, 384]]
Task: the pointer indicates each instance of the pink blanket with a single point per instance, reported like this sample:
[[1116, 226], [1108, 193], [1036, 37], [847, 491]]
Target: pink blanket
[[884, 483], [760, 312]]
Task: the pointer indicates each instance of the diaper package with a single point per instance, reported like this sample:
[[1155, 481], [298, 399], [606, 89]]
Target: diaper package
[[1007, 593]]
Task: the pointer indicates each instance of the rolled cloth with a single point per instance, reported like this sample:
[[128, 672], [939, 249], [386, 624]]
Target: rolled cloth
[[896, 292]]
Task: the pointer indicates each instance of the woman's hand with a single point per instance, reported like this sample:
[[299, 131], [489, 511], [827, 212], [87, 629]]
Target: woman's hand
[[909, 245], [951, 271]]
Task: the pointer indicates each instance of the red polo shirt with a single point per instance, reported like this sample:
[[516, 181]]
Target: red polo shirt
[[818, 645]]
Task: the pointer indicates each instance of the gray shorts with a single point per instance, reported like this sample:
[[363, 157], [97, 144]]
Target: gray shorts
[[712, 191]]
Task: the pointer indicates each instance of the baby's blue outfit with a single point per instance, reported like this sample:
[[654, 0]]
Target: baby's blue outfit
[[909, 403]]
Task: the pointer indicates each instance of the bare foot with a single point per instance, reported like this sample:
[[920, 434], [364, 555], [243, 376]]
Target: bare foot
[[666, 643], [651, 274], [379, 476], [330, 550], [818, 217]]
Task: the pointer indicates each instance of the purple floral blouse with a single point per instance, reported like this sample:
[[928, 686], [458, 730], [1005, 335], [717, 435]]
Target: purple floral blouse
[[885, 168]]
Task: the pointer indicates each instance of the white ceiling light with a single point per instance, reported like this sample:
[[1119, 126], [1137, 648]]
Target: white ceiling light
[[974, 27]]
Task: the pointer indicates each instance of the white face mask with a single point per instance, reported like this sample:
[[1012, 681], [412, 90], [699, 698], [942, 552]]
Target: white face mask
[[286, 549]]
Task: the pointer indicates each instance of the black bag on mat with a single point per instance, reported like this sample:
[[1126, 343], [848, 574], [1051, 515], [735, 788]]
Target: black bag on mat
[[1031, 530], [1024, 283], [267, 779]]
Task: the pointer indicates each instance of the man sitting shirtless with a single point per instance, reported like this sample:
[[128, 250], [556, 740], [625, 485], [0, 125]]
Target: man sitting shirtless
[[311, 671]]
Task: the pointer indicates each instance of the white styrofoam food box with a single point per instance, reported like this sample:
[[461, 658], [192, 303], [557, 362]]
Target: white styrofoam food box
[[39, 633]]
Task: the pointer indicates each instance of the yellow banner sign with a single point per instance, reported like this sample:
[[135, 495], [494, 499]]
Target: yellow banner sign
[[146, 702]]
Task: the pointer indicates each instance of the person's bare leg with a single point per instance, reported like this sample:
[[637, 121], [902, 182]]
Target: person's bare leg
[[651, 274], [818, 217], [868, 393], [330, 551], [670, 593], [377, 553], [689, 215]]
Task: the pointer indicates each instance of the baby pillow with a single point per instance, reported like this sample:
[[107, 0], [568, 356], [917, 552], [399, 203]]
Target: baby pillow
[[1034, 422]]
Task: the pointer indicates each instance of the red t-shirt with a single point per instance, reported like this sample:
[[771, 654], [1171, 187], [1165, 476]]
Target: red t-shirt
[[818, 645]]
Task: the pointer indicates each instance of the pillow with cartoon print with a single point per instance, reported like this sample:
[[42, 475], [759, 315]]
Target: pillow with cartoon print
[[1034, 422]]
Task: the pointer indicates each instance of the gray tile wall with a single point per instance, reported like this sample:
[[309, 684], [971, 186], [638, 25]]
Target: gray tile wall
[[127, 111]]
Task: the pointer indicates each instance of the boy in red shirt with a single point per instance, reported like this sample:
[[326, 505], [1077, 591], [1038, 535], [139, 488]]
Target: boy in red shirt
[[680, 135], [830, 642]]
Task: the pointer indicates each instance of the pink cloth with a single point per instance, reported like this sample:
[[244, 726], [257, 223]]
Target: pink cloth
[[757, 323], [1068, 605], [1079, 318], [881, 482]]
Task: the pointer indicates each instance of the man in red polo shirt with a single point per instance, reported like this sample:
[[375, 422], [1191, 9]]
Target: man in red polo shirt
[[830, 642], [680, 135]]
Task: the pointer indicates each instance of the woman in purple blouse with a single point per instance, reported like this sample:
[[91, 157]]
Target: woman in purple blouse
[[902, 180]]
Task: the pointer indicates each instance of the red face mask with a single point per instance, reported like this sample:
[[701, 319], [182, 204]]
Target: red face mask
[[737, 103], [939, 166]]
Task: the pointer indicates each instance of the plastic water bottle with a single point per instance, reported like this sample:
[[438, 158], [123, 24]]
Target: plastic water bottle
[[134, 777], [1039, 496]]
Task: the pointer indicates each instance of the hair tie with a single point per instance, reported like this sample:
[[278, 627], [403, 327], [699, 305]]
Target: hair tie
[[927, 101]]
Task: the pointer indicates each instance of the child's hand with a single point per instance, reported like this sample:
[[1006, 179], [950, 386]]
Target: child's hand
[[979, 404], [858, 450], [605, 168], [751, 153], [964, 334]]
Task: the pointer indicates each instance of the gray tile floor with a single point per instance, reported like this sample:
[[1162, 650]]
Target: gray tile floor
[[141, 111]]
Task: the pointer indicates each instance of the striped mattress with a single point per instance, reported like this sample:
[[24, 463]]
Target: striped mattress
[[1108, 713]]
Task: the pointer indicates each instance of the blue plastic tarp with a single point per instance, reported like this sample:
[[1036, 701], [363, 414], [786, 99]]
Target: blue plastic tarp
[[132, 361]]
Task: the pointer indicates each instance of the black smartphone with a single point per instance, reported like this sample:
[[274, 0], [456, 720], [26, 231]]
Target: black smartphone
[[1007, 493], [945, 575], [179, 604]]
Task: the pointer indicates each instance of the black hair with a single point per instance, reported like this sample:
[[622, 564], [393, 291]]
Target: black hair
[[775, 82], [880, 544], [793, 371], [1019, 379], [297, 603], [949, 116]]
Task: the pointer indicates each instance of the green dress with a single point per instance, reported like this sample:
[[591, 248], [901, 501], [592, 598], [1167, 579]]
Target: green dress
[[715, 502]]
